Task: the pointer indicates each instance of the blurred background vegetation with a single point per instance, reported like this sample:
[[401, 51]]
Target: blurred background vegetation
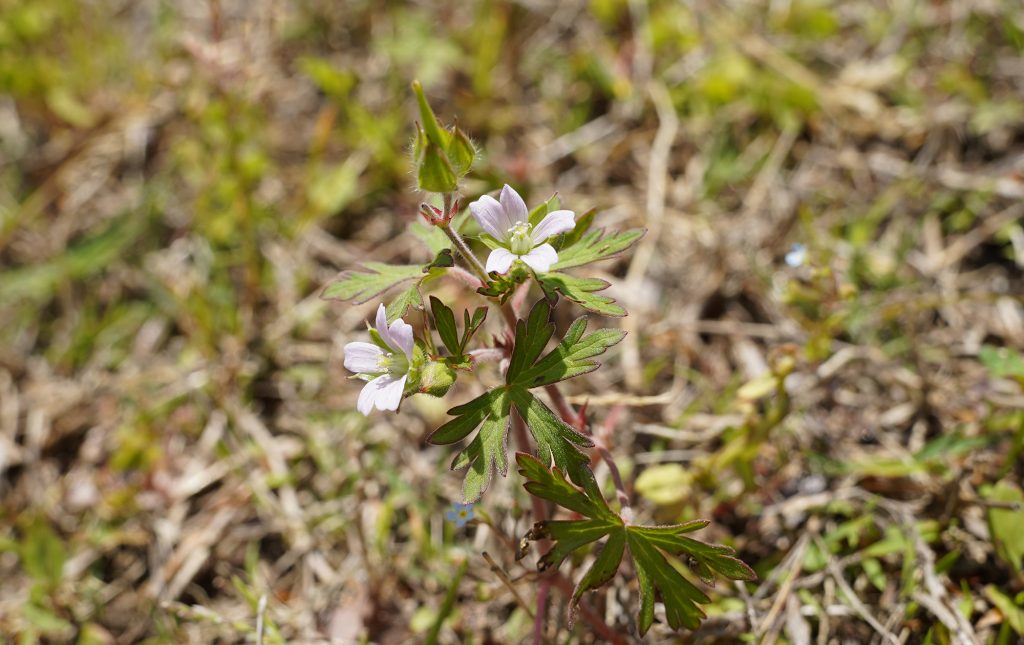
[[180, 459]]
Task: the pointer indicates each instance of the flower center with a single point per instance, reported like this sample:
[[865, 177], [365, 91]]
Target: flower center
[[519, 238], [395, 364]]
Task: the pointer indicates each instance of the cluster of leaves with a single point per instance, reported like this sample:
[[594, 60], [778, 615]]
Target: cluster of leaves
[[491, 412], [646, 544], [444, 322]]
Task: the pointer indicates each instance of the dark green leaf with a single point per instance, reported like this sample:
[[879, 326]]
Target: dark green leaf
[[720, 558], [556, 442], [553, 486], [485, 454], [532, 336], [487, 451], [442, 260], [581, 291], [653, 572], [603, 570], [571, 357], [471, 325], [444, 322], [375, 279], [595, 246], [467, 417], [655, 575]]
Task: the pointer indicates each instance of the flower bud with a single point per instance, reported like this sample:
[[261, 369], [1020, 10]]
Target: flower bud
[[436, 378]]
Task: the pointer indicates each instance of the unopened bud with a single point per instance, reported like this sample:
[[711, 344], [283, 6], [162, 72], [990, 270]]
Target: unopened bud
[[436, 378]]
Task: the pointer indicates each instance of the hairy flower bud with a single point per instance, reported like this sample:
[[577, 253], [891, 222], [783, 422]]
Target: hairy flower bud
[[436, 378]]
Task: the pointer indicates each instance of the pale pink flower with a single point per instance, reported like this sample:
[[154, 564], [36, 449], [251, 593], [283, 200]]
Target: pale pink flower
[[384, 365], [508, 222]]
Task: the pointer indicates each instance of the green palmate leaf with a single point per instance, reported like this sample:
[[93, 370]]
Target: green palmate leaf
[[654, 574], [410, 297], [374, 279], [487, 451], [556, 441], [647, 546], [581, 291], [595, 246], [468, 416], [532, 336], [552, 485], [572, 356], [444, 322]]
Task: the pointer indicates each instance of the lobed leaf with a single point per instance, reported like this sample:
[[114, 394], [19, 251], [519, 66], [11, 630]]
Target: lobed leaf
[[572, 356], [656, 576], [470, 325], [467, 417], [410, 297], [487, 452], [374, 278], [532, 336], [557, 442], [581, 291], [444, 323], [554, 487], [596, 246]]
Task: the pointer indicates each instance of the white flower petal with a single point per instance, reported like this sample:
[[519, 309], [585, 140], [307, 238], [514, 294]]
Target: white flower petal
[[382, 327], [401, 333], [541, 258], [368, 395], [514, 206], [554, 223], [389, 393], [500, 260], [491, 217], [362, 357]]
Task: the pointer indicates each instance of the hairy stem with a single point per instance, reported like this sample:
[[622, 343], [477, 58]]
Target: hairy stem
[[460, 244]]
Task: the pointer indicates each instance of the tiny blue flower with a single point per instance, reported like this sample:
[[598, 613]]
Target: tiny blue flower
[[797, 255], [460, 514]]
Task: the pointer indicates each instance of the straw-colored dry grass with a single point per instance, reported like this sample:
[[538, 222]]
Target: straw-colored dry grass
[[180, 460]]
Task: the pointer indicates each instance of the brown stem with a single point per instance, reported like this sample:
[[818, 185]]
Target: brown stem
[[542, 605], [597, 623]]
